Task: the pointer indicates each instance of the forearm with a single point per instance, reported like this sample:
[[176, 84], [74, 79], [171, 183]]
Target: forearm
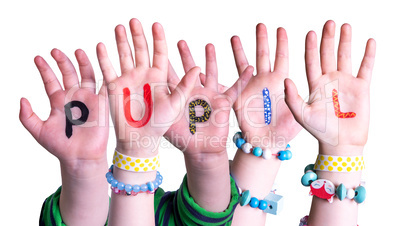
[[84, 196], [256, 175], [208, 180], [138, 209], [339, 212]]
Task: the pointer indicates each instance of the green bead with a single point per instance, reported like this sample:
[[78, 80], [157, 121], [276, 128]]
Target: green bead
[[308, 178], [245, 198], [309, 167]]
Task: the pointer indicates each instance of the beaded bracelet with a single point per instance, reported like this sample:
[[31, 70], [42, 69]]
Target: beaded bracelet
[[325, 189], [257, 151], [272, 203], [127, 189]]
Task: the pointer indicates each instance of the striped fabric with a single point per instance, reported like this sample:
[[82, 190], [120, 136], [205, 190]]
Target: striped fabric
[[171, 208]]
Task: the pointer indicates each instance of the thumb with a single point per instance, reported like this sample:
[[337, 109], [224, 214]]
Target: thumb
[[29, 119], [181, 93], [295, 103]]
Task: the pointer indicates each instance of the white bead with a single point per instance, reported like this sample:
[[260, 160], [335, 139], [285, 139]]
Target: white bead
[[266, 154], [246, 147], [236, 136], [240, 191], [350, 194]]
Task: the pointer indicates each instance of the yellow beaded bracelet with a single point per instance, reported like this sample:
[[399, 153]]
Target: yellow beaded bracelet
[[133, 164], [339, 163]]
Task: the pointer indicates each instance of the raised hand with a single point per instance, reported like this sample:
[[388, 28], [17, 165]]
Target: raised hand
[[210, 136], [337, 111], [249, 107], [76, 132], [141, 106], [88, 141]]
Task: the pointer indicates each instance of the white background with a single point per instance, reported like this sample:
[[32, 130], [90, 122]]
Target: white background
[[30, 28]]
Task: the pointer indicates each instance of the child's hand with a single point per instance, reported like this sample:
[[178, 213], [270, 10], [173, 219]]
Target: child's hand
[[80, 148], [249, 107], [210, 136], [88, 141], [337, 112], [148, 123]]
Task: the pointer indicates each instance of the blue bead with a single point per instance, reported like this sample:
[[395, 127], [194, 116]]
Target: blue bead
[[136, 188], [257, 151], [109, 174], [159, 177], [128, 188], [287, 146], [245, 198], [237, 136], [109, 179], [309, 167], [114, 183], [341, 192], [121, 186], [240, 142], [284, 155], [151, 186], [144, 187], [157, 173], [308, 178], [254, 202], [360, 194], [263, 205]]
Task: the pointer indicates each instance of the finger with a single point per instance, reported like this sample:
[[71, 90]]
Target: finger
[[140, 44], [312, 61], [345, 49], [366, 67], [160, 59], [86, 71], [49, 79], [282, 52], [172, 78], [295, 103], [239, 55], [70, 78], [180, 95], [124, 50], [29, 119], [328, 63], [263, 63], [241, 83], [221, 88], [186, 57], [106, 66], [211, 71]]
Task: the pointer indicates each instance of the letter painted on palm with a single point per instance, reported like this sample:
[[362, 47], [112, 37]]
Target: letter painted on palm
[[193, 118], [148, 107], [267, 106], [69, 116], [337, 107]]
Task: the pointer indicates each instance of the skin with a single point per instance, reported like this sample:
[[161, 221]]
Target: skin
[[84, 198], [205, 152], [140, 209], [342, 137], [249, 112]]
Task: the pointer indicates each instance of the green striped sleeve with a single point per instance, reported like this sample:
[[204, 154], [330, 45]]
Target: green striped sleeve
[[50, 214]]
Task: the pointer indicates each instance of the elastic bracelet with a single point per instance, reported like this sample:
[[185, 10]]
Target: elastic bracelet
[[132, 164], [339, 163], [272, 203], [325, 189], [257, 151], [128, 189]]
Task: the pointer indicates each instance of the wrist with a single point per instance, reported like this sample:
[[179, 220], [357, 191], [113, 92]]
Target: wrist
[[206, 160], [141, 148], [340, 149], [83, 169]]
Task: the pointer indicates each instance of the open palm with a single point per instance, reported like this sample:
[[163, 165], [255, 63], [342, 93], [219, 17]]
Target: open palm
[[88, 141], [249, 107], [340, 119]]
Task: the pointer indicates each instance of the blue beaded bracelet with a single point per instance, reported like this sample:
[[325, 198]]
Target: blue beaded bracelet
[[128, 189], [257, 151], [325, 189], [272, 204]]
